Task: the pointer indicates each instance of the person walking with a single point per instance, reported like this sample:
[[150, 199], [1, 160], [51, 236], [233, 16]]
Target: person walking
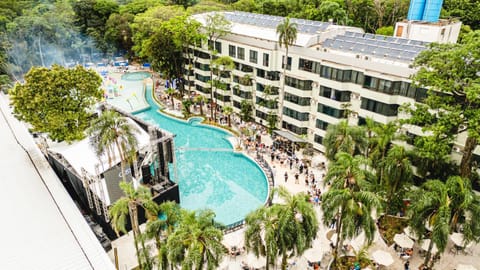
[[296, 178], [407, 265], [286, 177]]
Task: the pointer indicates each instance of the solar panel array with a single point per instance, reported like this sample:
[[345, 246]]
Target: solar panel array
[[387, 47], [269, 21]]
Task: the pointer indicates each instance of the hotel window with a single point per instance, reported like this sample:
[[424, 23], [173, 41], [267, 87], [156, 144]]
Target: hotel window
[[330, 111], [232, 51], [289, 63], [241, 53], [379, 107], [321, 125], [253, 56], [265, 59]]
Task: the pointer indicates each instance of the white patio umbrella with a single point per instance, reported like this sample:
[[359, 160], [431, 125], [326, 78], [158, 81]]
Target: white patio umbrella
[[255, 262], [235, 238], [403, 241], [426, 243], [465, 267], [358, 242], [382, 257], [410, 233], [315, 253], [457, 239]]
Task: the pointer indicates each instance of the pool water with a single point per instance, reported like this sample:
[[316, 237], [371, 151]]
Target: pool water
[[136, 76], [210, 174]]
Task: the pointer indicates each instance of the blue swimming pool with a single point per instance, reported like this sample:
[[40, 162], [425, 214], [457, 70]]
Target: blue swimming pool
[[210, 174]]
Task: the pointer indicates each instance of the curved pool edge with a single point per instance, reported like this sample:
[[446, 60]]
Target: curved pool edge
[[270, 183]]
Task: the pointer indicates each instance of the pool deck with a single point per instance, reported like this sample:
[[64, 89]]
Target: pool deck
[[448, 260], [129, 99]]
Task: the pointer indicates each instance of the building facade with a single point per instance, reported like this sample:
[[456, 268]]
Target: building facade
[[332, 72]]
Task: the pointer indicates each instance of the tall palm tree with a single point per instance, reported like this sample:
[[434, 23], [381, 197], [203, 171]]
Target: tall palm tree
[[170, 92], [397, 172], [200, 100], [227, 110], [261, 235], [344, 138], [431, 206], [349, 201], [284, 230], [465, 206], [125, 207], [297, 224], [196, 243], [221, 64], [169, 214], [111, 131], [287, 35]]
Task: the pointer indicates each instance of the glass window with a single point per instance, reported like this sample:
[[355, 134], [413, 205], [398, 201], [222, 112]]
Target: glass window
[[253, 56], [321, 124], [265, 59], [232, 51], [289, 63], [241, 53], [218, 46]]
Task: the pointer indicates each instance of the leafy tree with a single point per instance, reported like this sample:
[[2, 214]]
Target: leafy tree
[[453, 97], [171, 92], [207, 6], [57, 100], [348, 202], [245, 5], [118, 33], [135, 7], [184, 3], [186, 34], [196, 243], [91, 17], [344, 138], [127, 206], [146, 25], [332, 10], [287, 35], [466, 10], [216, 26], [385, 30]]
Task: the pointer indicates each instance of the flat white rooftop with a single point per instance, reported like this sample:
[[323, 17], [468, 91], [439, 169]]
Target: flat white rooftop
[[41, 227]]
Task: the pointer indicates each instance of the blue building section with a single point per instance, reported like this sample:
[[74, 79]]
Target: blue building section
[[416, 10], [432, 10]]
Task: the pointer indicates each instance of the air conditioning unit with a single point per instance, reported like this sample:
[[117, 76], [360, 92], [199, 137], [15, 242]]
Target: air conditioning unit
[[457, 149], [462, 127], [366, 58]]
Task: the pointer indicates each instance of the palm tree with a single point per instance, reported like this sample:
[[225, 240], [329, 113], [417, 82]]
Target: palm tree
[[127, 206], [287, 35], [344, 138], [112, 131], [431, 206], [397, 172], [227, 110], [465, 206], [286, 229], [170, 92], [261, 236], [196, 243], [161, 227], [221, 64], [297, 224], [199, 99], [349, 201]]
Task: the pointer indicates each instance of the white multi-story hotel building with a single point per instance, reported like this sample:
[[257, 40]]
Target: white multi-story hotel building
[[330, 69]]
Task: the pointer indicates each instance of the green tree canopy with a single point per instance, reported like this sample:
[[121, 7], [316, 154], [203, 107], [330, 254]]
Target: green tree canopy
[[451, 74], [57, 100]]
